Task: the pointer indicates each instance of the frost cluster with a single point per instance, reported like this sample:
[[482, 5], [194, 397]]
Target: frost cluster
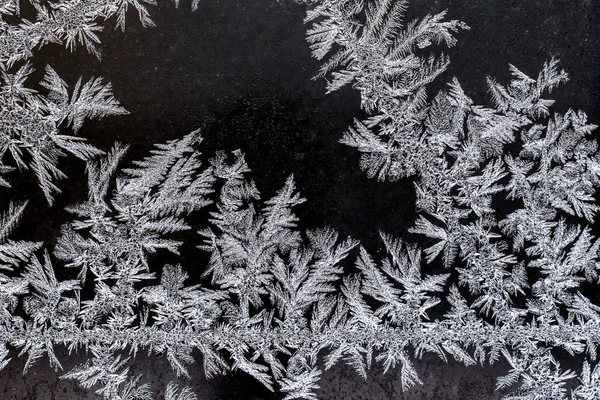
[[505, 197]]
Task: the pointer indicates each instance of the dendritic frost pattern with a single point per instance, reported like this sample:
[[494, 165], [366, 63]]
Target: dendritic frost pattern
[[281, 303], [459, 157], [32, 124]]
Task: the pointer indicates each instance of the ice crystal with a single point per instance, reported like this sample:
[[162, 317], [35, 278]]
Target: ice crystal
[[282, 303], [32, 124], [457, 154]]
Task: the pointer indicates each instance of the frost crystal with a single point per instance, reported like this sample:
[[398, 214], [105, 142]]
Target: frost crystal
[[32, 123], [281, 303], [458, 155]]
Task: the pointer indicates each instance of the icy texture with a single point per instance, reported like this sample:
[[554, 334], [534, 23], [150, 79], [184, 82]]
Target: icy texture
[[281, 303]]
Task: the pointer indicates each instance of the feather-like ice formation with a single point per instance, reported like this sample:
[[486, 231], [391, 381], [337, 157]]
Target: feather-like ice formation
[[279, 303]]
